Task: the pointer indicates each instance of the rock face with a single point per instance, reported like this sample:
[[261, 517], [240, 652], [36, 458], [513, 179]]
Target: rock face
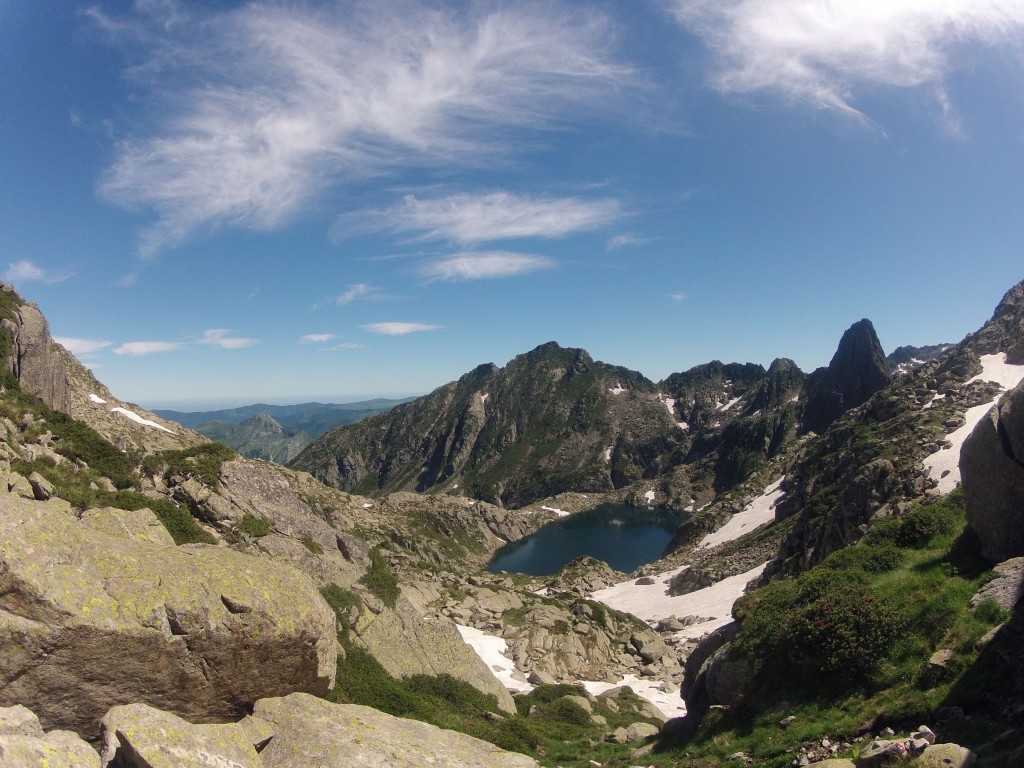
[[405, 644], [312, 732], [24, 745], [35, 360], [992, 473], [89, 620], [559, 408], [857, 370]]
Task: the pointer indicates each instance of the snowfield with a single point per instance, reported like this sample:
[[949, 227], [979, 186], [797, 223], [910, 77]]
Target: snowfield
[[492, 650], [758, 512], [139, 419], [97, 399], [651, 603], [943, 466]]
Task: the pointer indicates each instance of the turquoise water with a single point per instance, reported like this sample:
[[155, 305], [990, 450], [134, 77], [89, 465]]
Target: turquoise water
[[624, 537]]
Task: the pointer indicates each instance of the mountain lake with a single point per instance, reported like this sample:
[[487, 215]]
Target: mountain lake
[[624, 537]]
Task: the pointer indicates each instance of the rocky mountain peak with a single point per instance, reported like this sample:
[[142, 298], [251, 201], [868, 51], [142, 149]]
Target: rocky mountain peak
[[857, 370], [1005, 331]]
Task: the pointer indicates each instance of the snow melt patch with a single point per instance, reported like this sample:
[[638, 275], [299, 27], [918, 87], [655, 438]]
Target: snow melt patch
[[97, 399], [608, 453], [669, 703], [651, 602], [617, 390], [650, 496], [492, 650], [139, 419], [559, 512], [758, 512], [483, 397], [729, 404], [943, 466]]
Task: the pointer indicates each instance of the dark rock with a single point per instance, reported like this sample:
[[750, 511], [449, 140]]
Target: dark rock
[[857, 371], [992, 474]]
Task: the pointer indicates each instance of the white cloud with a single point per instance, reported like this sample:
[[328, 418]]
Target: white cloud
[[679, 297], [267, 105], [221, 337], [26, 271], [820, 53], [81, 346], [399, 329], [317, 338], [139, 348], [625, 241], [466, 218], [483, 266], [357, 291]]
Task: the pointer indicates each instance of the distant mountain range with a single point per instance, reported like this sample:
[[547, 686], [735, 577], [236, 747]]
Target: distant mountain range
[[276, 432]]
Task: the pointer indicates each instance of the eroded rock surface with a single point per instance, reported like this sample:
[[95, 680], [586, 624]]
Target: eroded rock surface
[[89, 620]]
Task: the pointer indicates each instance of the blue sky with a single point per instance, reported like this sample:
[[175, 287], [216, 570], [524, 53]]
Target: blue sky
[[290, 200]]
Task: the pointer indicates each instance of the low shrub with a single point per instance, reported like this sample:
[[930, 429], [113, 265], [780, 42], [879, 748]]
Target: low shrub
[[253, 525], [380, 580]]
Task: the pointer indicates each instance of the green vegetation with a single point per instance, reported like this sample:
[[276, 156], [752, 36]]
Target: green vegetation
[[253, 526], [848, 642], [380, 580], [202, 461], [312, 545]]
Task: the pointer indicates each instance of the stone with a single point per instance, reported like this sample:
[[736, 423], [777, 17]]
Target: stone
[[139, 524], [941, 658], [1005, 587], [312, 732], [785, 722], [139, 735], [618, 736], [835, 762], [197, 630], [946, 756], [924, 732], [882, 753], [42, 489], [56, 749], [992, 474], [406, 645], [579, 701], [19, 721], [640, 731], [653, 650]]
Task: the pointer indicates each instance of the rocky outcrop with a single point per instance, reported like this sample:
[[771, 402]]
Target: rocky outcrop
[[36, 361], [992, 473], [406, 644], [710, 676], [312, 732], [23, 744], [857, 370], [90, 619]]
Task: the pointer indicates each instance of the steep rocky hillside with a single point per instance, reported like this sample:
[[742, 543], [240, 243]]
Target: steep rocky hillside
[[259, 437], [554, 421]]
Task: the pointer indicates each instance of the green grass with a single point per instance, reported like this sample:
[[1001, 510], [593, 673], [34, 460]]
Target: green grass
[[912, 577]]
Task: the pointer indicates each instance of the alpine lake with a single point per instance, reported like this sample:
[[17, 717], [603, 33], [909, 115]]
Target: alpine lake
[[624, 537]]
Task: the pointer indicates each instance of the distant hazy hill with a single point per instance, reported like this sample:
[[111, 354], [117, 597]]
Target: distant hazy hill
[[276, 432]]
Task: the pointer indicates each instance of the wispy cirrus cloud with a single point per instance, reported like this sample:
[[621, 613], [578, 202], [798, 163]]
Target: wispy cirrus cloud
[[625, 241], [353, 292], [261, 108], [399, 329], [140, 348], [27, 271], [821, 53], [317, 338], [221, 337], [484, 266], [82, 346], [468, 219]]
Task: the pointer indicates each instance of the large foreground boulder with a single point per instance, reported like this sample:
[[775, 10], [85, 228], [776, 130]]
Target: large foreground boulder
[[89, 620], [992, 474], [310, 731]]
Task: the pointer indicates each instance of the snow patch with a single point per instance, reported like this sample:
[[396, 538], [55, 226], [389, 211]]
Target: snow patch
[[651, 602], [483, 397], [97, 399], [139, 419], [608, 453], [367, 505], [559, 512], [729, 404], [669, 703], [492, 650], [930, 403], [650, 496], [618, 389], [682, 425], [943, 466], [758, 512]]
